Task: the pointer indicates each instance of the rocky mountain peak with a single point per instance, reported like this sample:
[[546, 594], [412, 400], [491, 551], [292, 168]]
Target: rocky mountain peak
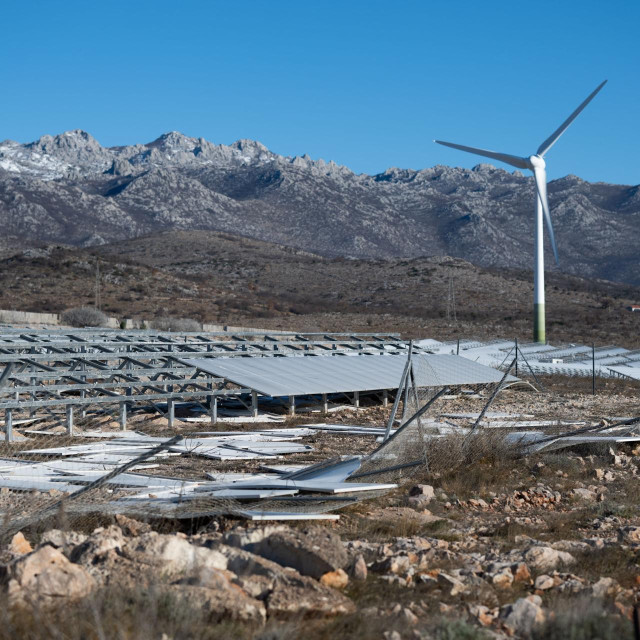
[[174, 140], [68, 188], [69, 141], [247, 145]]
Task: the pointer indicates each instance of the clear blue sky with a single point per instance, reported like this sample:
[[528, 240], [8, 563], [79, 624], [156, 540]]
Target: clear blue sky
[[368, 84]]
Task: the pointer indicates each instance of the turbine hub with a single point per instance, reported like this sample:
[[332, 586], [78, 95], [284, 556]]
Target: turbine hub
[[537, 162]]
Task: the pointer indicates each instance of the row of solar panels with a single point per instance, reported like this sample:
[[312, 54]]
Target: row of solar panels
[[568, 360]]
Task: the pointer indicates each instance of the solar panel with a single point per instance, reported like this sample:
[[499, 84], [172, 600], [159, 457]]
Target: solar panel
[[296, 376]]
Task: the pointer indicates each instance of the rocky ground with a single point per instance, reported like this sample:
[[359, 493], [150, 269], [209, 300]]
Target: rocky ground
[[485, 545]]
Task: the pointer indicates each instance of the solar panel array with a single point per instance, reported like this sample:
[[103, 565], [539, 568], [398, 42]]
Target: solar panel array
[[547, 359]]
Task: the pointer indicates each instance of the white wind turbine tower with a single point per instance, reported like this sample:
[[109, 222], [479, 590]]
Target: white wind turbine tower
[[537, 164]]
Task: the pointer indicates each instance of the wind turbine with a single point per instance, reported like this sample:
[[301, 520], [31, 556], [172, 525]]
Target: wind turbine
[[537, 164]]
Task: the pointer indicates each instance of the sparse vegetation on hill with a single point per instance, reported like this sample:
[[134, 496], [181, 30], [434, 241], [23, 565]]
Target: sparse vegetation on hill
[[221, 279], [166, 323]]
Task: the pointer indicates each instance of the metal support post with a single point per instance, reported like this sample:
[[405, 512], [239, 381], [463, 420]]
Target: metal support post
[[458, 347], [171, 412], [385, 398], [325, 403], [405, 399], [396, 402], [213, 409], [83, 393], [69, 419], [593, 368], [356, 399], [8, 425], [292, 405], [415, 391], [516, 357], [33, 382], [123, 416], [129, 390], [254, 404]]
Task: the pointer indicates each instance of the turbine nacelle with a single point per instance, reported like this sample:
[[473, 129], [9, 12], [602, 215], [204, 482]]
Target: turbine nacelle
[[536, 162]]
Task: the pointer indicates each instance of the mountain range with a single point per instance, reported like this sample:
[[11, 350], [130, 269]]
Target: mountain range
[[68, 189]]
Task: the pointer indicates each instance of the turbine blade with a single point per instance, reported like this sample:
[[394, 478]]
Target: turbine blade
[[540, 177], [514, 161], [551, 140]]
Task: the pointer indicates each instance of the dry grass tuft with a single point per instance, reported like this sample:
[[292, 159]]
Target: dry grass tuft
[[465, 467], [583, 618], [116, 614]]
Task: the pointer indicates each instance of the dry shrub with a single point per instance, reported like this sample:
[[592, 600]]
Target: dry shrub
[[611, 561], [469, 465], [83, 317], [167, 323], [365, 626], [387, 529], [117, 613], [583, 618]]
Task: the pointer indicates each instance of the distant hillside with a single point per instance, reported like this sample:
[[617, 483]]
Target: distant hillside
[[69, 189], [220, 278]]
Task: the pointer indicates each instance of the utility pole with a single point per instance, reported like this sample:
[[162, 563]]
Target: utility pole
[[98, 302], [451, 302]]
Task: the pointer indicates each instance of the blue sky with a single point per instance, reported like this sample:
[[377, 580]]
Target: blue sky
[[368, 84]]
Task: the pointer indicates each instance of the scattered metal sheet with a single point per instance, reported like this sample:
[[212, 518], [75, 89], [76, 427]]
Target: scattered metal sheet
[[21, 483], [352, 430], [572, 441], [488, 415], [308, 491], [265, 515], [337, 471], [281, 469], [315, 486], [531, 424]]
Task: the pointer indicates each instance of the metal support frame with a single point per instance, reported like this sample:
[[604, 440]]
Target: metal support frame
[[492, 397], [41, 371], [90, 343], [396, 402]]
